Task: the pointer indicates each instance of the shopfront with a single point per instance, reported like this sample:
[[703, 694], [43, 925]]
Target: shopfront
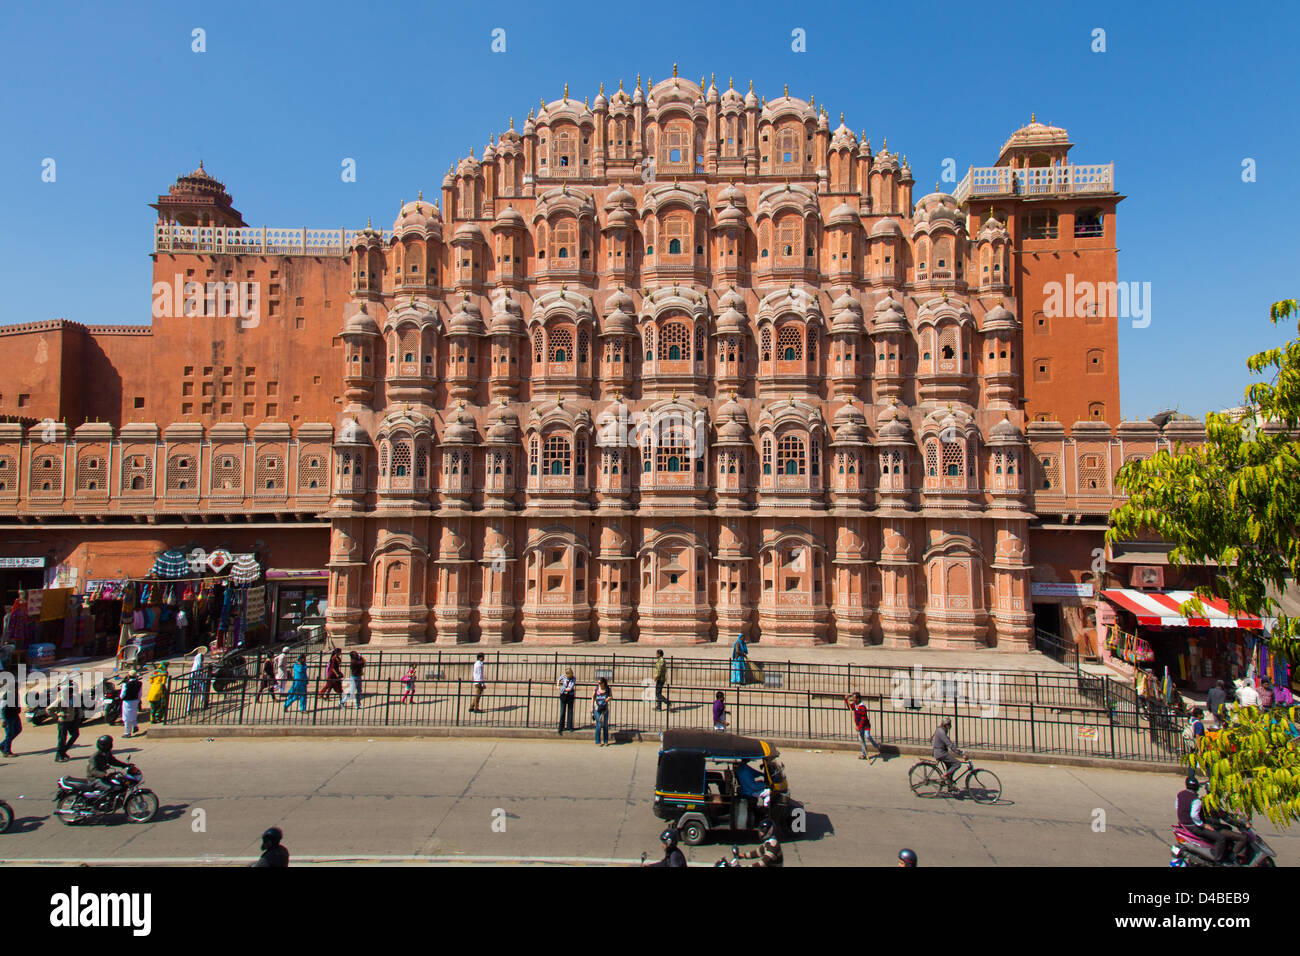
[[299, 596], [1148, 632], [20, 574]]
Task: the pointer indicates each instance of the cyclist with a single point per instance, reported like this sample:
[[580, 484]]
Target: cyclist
[[906, 857], [944, 750]]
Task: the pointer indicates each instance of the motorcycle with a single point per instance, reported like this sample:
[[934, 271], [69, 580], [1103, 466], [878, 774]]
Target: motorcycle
[[1192, 849], [734, 861], [6, 817], [79, 800], [112, 698]]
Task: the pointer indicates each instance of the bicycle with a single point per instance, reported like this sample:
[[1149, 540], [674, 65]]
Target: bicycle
[[927, 780]]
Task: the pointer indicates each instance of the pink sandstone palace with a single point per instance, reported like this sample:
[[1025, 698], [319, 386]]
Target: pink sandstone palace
[[666, 367]]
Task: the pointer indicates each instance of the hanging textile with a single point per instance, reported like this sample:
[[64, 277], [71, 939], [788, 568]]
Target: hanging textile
[[245, 570], [170, 564]]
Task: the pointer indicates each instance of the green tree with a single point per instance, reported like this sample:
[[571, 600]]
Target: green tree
[[1235, 501]]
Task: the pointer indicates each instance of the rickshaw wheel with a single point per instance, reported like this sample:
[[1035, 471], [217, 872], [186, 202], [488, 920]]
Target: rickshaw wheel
[[693, 833]]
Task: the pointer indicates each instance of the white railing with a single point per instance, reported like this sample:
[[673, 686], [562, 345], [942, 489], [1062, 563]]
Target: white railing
[[1037, 181], [253, 240]]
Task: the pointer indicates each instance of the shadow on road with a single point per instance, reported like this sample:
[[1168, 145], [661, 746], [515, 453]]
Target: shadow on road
[[25, 824]]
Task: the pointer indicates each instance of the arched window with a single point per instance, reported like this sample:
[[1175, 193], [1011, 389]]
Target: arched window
[[675, 342], [649, 342], [767, 344], [561, 342], [556, 456], [791, 456], [537, 346], [583, 340], [953, 458], [789, 343], [767, 455]]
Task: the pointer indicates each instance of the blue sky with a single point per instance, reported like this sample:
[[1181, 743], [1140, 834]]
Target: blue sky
[[1181, 96]]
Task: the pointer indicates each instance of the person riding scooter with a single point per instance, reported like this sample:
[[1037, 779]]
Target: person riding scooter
[[673, 856], [102, 761], [1191, 814], [768, 853]]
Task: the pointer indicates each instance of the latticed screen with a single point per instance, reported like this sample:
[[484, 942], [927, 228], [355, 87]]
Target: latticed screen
[[92, 472], [767, 345], [401, 460], [583, 341], [556, 457], [954, 458], [421, 463], [47, 473], [673, 451], [537, 345], [767, 456], [137, 472], [812, 345], [1092, 473], [8, 472], [226, 472], [312, 466], [699, 342], [182, 472], [1051, 466], [675, 343], [649, 342], [561, 342], [932, 459], [270, 471], [532, 455], [789, 344], [791, 458]]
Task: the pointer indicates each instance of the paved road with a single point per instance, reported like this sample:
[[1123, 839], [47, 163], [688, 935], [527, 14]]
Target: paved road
[[565, 800]]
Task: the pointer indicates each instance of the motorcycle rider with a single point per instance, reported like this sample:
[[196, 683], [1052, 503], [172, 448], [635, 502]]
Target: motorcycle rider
[[768, 853], [273, 854], [907, 857], [944, 749], [1191, 815], [672, 854], [102, 760]]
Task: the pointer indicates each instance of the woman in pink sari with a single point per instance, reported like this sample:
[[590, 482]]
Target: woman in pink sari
[[333, 675]]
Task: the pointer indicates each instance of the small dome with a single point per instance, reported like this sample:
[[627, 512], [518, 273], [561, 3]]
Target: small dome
[[886, 227], [507, 317], [460, 429], [893, 425], [466, 320], [451, 546], [731, 216], [620, 197], [614, 542], [496, 544], [731, 194], [360, 322], [367, 238], [847, 312], [503, 425], [889, 317], [849, 544], [999, 318], [843, 215], [731, 299], [467, 232], [732, 542], [732, 321], [419, 218], [1005, 431], [509, 218]]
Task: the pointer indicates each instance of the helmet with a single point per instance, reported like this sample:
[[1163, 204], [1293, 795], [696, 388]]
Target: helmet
[[670, 836], [1191, 783], [767, 828], [907, 857], [104, 743], [272, 837], [946, 722]]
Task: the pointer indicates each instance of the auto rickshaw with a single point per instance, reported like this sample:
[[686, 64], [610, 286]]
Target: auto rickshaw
[[697, 787]]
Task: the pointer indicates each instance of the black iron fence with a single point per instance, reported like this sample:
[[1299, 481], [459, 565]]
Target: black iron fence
[[1013, 711]]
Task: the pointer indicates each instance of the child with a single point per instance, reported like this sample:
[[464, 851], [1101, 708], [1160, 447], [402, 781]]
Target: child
[[720, 711], [409, 680]]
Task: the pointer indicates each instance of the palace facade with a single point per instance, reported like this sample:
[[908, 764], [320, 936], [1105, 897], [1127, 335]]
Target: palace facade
[[665, 367]]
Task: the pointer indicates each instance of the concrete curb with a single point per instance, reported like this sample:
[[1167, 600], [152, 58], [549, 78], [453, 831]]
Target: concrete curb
[[175, 732]]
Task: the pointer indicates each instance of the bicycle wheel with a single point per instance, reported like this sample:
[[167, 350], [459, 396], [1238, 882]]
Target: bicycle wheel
[[983, 786], [926, 779]]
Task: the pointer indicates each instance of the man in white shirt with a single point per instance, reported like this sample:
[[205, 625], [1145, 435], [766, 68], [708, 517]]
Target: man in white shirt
[[281, 669], [198, 677], [479, 686]]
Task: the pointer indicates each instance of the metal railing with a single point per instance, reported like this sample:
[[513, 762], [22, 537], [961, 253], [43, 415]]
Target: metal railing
[[253, 240], [1007, 711]]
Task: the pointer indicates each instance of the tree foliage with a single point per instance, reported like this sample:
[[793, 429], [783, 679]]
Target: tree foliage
[[1234, 502]]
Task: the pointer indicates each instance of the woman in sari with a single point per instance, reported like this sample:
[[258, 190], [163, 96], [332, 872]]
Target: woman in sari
[[333, 676], [739, 658]]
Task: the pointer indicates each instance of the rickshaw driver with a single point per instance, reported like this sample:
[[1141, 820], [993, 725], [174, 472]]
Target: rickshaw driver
[[768, 853], [752, 782]]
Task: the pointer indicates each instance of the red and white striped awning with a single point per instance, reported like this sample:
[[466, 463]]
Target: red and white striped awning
[[1160, 609]]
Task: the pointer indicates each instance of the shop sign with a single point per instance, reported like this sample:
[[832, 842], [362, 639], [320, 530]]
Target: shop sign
[[255, 608], [218, 560], [1060, 589], [22, 562]]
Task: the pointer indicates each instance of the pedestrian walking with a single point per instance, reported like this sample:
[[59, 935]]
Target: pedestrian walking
[[408, 680], [720, 711], [480, 685], [267, 681], [356, 668], [298, 689], [10, 714], [131, 691], [600, 711], [568, 692], [333, 683], [157, 695], [861, 723], [661, 680], [68, 714], [739, 659], [282, 669], [1215, 700], [199, 675]]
